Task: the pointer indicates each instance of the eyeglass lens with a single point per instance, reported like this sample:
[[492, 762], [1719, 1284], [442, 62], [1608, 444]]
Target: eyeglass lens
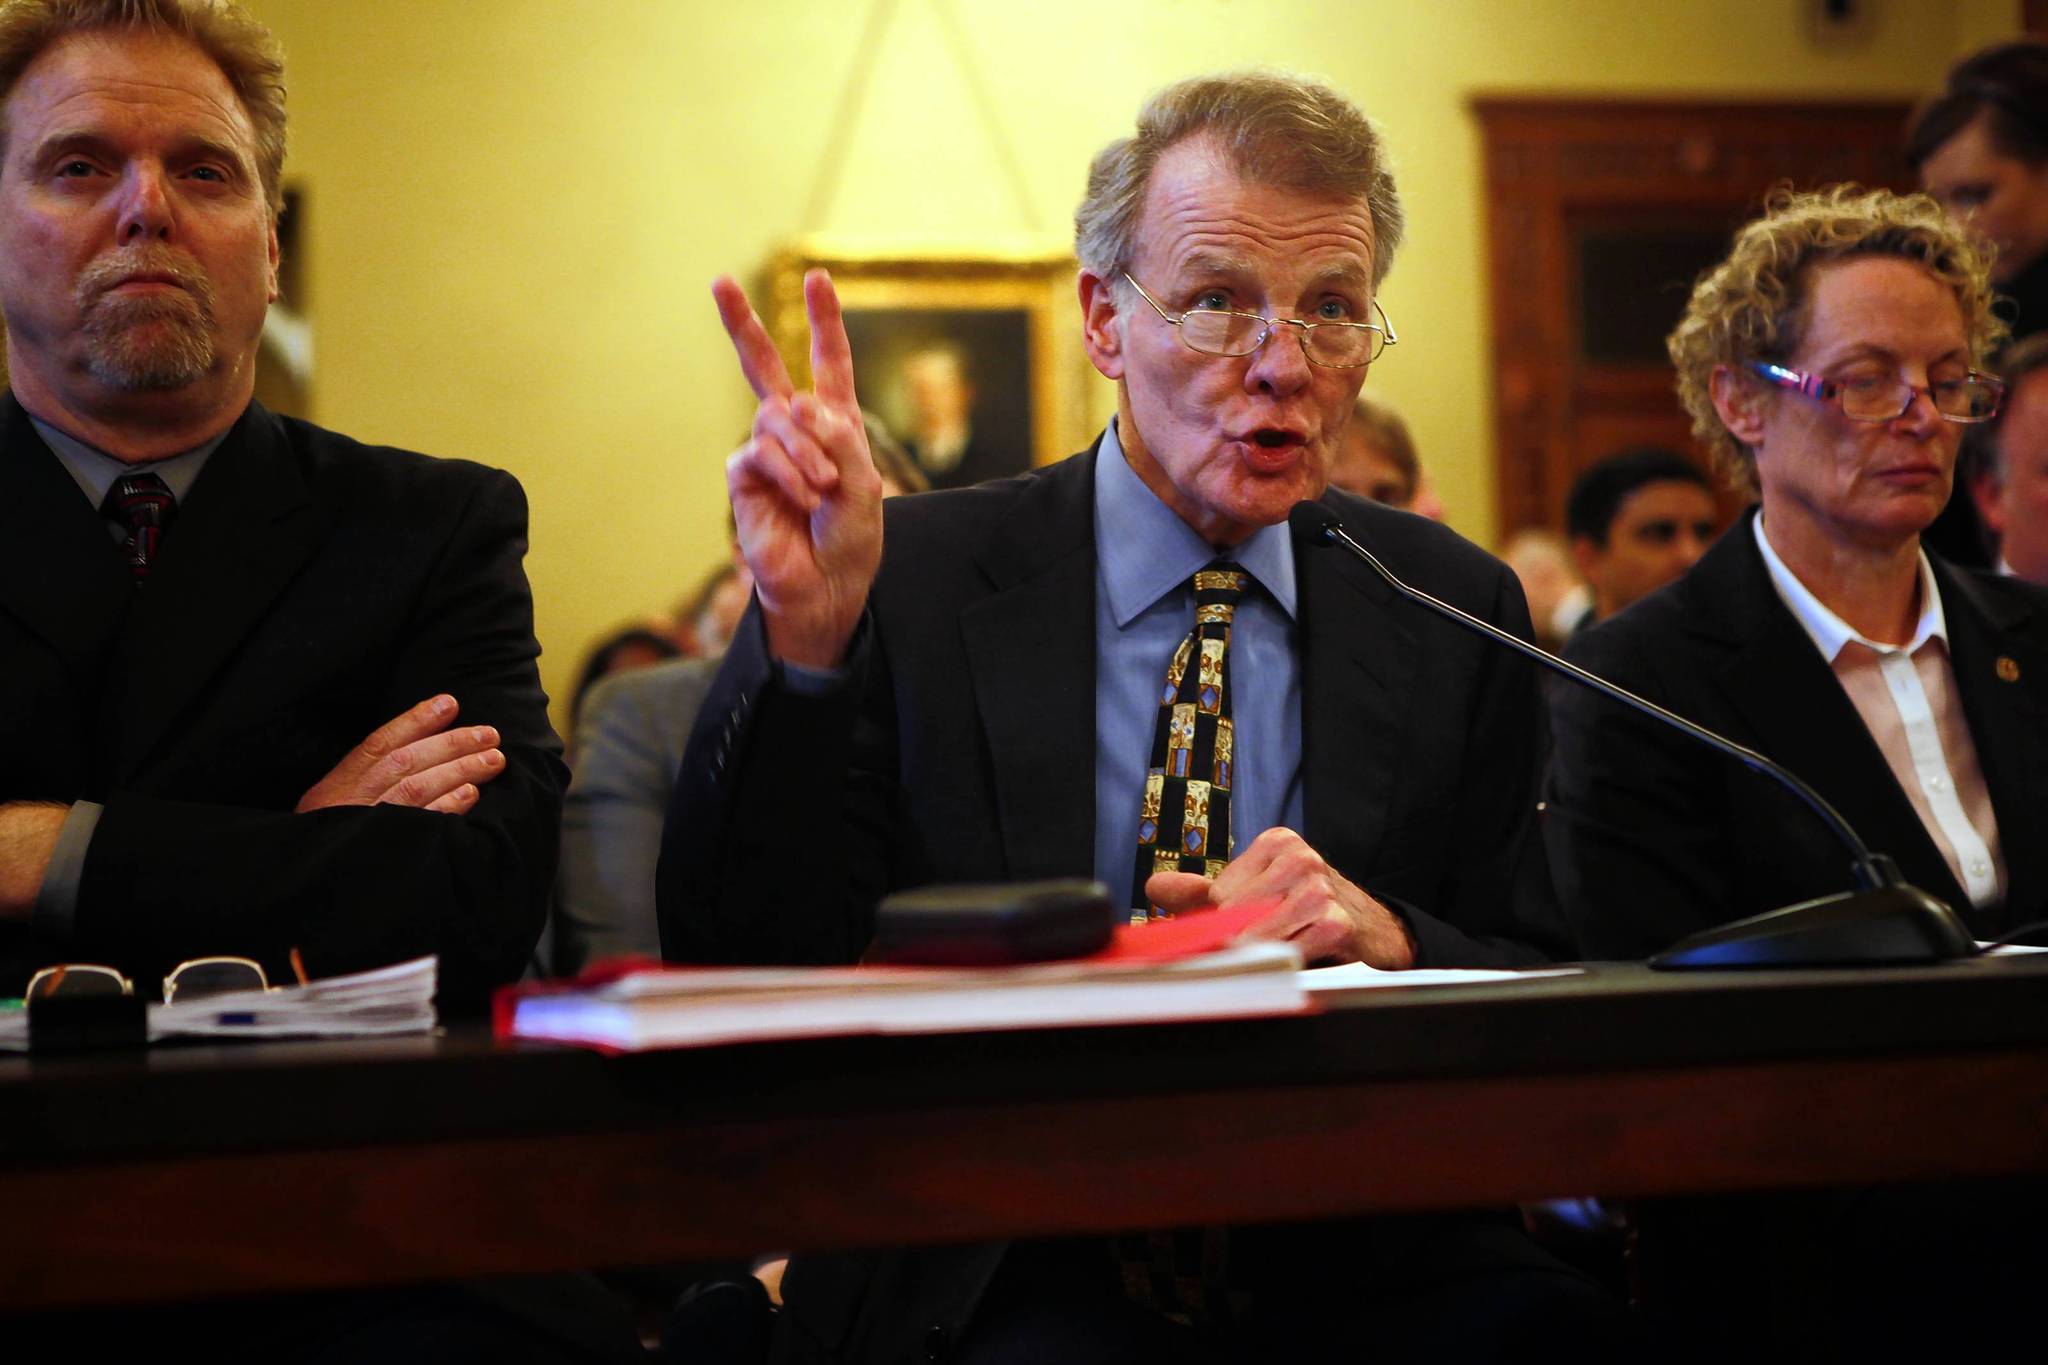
[[1238, 334], [75, 980], [213, 976], [1969, 399]]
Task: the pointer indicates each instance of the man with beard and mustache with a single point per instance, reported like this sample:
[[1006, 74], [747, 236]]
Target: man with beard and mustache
[[143, 340], [205, 608]]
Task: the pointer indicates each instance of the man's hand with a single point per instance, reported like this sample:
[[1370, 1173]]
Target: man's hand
[[413, 760], [28, 836], [1320, 912], [805, 495]]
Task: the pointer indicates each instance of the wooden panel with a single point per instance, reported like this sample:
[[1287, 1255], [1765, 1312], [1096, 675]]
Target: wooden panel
[[191, 1225], [1569, 180]]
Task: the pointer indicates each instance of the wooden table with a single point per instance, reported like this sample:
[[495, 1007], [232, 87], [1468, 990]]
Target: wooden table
[[200, 1170]]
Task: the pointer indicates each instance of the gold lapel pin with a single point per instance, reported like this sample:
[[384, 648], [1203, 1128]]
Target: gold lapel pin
[[2008, 668]]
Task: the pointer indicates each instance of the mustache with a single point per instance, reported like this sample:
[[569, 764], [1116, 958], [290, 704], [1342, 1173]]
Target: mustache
[[109, 271]]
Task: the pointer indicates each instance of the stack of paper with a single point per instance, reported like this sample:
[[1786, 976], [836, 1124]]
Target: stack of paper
[[394, 999], [656, 1007]]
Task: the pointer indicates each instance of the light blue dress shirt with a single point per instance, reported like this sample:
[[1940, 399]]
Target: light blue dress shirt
[[1144, 606]]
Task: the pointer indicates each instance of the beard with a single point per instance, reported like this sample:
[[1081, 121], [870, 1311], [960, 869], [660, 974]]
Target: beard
[[154, 342]]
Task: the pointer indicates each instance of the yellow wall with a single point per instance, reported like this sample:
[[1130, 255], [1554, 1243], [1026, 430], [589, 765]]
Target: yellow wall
[[515, 206]]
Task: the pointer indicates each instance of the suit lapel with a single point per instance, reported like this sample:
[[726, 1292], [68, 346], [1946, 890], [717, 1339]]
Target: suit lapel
[[1358, 667], [2001, 667], [1799, 714], [60, 573], [1031, 654], [247, 527]]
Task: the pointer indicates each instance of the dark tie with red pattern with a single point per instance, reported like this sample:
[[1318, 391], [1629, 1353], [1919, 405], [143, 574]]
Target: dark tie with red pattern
[[143, 504]]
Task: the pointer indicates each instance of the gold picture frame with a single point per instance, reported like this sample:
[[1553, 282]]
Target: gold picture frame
[[1010, 323]]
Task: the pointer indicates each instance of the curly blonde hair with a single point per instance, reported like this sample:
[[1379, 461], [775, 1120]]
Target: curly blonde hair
[[1752, 306]]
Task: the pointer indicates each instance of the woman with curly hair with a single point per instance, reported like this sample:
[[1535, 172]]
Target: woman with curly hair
[[1831, 363]]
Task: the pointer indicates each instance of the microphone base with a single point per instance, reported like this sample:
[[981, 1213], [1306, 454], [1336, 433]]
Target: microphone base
[[1886, 925]]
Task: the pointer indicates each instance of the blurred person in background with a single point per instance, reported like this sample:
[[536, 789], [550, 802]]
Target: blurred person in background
[[629, 738], [2006, 466], [1981, 148], [1377, 460], [1558, 598], [619, 652], [1637, 521], [713, 612]]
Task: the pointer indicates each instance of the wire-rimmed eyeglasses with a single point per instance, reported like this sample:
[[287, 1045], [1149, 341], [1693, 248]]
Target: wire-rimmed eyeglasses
[[1973, 397], [200, 976], [1333, 345]]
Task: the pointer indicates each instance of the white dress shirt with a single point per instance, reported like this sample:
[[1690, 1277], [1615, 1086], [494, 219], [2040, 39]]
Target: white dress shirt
[[1906, 695]]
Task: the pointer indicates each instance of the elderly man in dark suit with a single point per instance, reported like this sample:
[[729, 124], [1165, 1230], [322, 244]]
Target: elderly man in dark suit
[[265, 689], [984, 701]]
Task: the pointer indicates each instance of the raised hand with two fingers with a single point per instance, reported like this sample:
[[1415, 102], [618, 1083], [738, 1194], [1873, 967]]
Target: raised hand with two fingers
[[806, 499]]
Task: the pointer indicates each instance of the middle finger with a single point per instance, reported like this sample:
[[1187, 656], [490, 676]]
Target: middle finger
[[429, 785]]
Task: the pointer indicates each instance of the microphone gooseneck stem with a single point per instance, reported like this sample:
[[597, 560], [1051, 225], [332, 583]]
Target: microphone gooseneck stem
[[1872, 871]]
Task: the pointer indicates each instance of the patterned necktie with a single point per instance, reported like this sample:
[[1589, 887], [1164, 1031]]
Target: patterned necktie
[[143, 504], [1184, 825]]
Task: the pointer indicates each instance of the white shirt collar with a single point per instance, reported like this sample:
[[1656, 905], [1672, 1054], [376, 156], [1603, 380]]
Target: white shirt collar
[[1830, 632]]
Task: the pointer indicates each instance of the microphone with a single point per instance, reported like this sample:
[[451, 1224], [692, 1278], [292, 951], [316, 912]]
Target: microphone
[[1884, 920]]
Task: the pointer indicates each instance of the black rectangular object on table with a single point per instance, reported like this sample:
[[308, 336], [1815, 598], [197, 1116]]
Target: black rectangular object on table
[[87, 1023], [976, 925]]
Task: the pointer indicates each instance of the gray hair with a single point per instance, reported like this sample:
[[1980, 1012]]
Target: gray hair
[[1272, 129]]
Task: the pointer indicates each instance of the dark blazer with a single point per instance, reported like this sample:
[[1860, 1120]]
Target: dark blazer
[[310, 590], [1654, 837], [966, 752]]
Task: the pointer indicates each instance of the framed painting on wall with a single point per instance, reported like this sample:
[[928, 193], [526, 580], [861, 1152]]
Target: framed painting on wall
[[974, 362]]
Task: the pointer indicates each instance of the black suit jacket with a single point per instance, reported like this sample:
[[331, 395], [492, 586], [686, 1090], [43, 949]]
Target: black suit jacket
[[966, 752], [1654, 836], [310, 590]]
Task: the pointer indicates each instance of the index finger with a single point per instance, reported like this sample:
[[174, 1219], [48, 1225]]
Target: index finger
[[831, 356], [760, 362], [430, 717]]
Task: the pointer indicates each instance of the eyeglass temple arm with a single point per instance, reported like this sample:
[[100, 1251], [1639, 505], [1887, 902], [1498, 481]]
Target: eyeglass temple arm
[[1810, 384]]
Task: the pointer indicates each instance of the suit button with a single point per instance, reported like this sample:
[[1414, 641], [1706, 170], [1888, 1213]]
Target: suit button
[[936, 1345]]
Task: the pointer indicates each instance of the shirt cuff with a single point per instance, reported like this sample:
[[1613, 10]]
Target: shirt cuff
[[810, 682], [57, 903]]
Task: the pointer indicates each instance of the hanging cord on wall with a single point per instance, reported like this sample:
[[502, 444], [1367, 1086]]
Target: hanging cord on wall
[[985, 105], [853, 99]]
